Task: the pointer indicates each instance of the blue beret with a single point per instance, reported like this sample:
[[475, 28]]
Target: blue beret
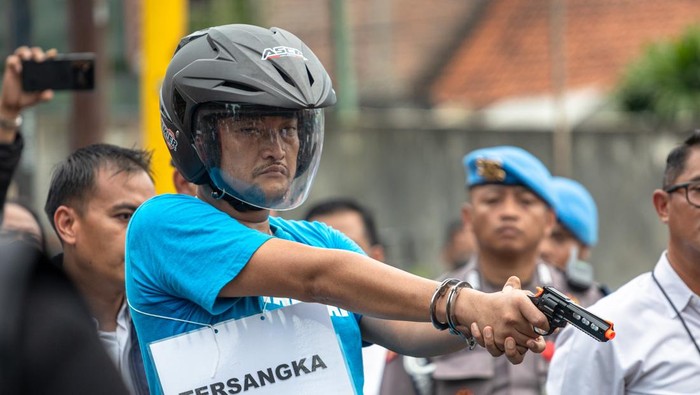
[[576, 210], [510, 166]]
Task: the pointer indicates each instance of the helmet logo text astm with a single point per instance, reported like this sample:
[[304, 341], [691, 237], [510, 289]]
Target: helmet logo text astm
[[281, 51]]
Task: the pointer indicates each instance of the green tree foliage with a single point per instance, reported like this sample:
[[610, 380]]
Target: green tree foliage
[[665, 81]]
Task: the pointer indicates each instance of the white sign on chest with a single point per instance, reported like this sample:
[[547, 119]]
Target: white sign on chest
[[292, 350]]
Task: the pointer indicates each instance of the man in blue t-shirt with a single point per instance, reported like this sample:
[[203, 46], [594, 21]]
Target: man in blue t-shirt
[[242, 116]]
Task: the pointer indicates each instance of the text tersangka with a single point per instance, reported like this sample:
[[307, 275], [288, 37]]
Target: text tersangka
[[251, 381]]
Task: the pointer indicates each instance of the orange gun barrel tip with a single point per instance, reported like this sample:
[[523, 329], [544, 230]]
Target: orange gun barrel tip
[[610, 333]]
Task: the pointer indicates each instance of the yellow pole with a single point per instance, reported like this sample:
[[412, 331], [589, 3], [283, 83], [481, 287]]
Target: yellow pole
[[163, 23]]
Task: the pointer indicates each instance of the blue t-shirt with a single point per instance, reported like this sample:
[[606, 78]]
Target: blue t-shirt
[[180, 253]]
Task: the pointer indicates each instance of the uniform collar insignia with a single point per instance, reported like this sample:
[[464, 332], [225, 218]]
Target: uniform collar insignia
[[490, 170]]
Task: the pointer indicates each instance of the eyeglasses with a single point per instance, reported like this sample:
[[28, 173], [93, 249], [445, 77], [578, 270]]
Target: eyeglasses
[[692, 191]]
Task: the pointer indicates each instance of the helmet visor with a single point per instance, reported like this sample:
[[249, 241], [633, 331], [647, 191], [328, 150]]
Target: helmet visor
[[264, 156]]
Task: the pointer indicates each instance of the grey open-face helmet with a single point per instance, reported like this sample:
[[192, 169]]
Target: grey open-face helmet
[[234, 72]]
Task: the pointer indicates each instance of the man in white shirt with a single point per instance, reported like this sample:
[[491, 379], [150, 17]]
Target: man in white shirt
[[657, 314]]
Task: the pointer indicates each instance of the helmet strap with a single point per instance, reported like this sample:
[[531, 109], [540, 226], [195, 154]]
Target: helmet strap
[[217, 193], [237, 204]]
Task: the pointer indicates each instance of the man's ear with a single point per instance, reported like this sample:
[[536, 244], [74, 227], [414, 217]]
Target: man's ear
[[660, 199], [66, 221], [550, 221], [584, 252], [467, 215], [377, 252]]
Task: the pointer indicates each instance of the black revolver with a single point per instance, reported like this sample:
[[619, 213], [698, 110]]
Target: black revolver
[[559, 309]]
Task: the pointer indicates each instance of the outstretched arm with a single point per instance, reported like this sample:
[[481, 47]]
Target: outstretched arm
[[422, 340], [360, 284]]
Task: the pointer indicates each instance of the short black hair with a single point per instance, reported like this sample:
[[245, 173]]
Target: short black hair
[[74, 178], [333, 206], [675, 162]]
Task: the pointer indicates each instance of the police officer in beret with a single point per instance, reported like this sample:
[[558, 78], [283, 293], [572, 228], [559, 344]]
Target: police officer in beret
[[511, 208], [569, 245]]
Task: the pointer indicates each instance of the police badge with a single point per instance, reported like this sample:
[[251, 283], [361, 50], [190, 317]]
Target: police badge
[[490, 169]]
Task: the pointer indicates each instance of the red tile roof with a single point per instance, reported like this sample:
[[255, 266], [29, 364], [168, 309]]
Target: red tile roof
[[506, 54]]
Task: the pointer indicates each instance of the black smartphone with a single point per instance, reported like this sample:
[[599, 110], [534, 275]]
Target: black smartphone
[[70, 71]]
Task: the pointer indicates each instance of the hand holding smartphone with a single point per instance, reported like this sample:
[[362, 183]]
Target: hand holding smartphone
[[70, 71]]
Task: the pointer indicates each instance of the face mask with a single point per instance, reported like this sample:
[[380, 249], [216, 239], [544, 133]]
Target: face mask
[[579, 274]]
